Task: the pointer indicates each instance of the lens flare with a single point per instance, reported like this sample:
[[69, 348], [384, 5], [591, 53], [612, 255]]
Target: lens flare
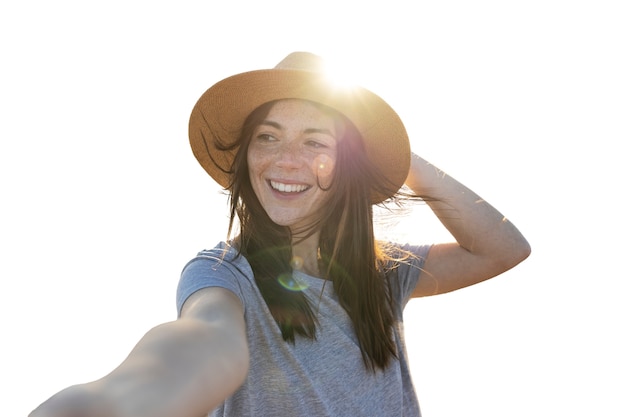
[[297, 262], [324, 166], [289, 282]]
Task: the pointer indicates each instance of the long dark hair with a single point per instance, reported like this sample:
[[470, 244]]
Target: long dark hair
[[349, 254]]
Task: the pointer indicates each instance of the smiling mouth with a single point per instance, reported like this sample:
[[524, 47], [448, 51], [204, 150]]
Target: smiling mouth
[[288, 188]]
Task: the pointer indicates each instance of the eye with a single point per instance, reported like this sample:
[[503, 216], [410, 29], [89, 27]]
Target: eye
[[265, 137], [315, 144], [320, 145]]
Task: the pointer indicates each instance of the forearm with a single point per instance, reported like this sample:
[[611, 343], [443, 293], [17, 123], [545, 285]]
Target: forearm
[[476, 226], [182, 368]]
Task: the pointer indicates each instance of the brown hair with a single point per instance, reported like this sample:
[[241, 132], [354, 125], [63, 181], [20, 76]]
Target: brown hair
[[349, 254]]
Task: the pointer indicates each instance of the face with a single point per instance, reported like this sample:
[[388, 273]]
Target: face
[[291, 158]]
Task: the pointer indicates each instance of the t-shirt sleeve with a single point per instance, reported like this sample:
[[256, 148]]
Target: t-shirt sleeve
[[408, 271], [208, 269]]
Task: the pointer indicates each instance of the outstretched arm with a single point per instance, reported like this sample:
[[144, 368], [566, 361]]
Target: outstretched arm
[[183, 368], [487, 243]]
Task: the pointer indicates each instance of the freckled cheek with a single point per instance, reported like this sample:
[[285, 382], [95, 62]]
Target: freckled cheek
[[255, 168], [257, 162], [324, 166]]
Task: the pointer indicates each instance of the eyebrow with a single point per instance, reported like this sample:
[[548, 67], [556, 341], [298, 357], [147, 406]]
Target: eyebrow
[[308, 130]]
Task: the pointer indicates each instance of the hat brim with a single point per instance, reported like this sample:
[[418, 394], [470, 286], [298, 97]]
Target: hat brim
[[221, 111]]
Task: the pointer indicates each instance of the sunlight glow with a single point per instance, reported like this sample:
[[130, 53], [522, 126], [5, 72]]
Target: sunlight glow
[[340, 73]]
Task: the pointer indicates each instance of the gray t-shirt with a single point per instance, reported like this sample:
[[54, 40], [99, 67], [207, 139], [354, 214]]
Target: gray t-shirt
[[323, 377]]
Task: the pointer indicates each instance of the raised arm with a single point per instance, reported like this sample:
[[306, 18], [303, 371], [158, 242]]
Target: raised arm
[[487, 243], [183, 368]]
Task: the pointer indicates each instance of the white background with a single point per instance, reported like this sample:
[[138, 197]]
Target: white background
[[102, 202]]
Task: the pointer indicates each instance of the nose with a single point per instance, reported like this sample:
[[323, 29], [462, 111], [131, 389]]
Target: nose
[[288, 155]]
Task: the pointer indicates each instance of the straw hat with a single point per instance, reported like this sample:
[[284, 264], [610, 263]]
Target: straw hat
[[222, 109]]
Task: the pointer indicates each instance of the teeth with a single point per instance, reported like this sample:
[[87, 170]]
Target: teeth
[[288, 188]]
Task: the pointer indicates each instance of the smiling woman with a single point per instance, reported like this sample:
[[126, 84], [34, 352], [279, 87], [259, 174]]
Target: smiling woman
[[301, 301]]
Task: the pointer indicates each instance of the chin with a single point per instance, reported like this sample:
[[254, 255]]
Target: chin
[[288, 222]]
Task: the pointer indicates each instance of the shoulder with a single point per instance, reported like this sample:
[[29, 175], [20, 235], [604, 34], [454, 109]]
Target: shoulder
[[404, 255], [223, 257], [404, 266], [221, 266]]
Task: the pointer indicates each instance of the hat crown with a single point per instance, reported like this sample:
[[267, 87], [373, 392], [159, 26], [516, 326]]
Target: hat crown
[[304, 61]]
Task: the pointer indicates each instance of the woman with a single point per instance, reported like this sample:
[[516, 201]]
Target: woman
[[300, 313]]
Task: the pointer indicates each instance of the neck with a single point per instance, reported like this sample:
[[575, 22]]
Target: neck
[[305, 255]]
